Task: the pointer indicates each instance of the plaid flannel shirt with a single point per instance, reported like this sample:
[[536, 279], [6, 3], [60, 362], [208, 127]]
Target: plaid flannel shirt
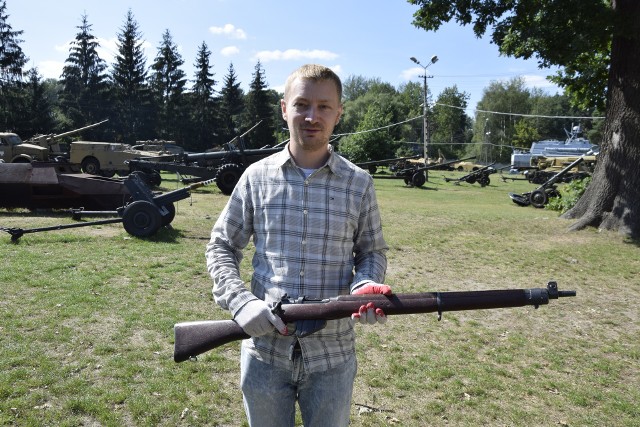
[[318, 237]]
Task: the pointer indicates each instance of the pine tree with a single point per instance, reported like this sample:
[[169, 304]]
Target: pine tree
[[203, 113], [132, 110], [259, 109], [231, 106], [38, 107], [12, 62], [167, 85], [84, 95]]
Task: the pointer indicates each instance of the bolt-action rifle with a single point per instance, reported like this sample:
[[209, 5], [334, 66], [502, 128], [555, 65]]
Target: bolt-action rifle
[[194, 338]]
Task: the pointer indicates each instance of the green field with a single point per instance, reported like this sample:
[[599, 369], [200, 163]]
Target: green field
[[86, 333]]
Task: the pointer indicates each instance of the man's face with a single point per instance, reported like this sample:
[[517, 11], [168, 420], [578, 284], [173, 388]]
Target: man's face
[[312, 109]]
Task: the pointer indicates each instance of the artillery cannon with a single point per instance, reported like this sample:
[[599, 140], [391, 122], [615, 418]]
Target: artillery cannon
[[481, 176], [142, 217], [539, 197], [417, 176], [224, 167], [52, 141]]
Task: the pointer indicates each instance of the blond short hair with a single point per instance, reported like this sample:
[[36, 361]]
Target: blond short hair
[[313, 72]]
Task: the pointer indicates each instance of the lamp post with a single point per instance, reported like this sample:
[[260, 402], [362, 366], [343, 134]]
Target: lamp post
[[425, 124]]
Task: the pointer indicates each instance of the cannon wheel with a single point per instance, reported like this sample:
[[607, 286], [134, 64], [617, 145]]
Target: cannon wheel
[[227, 177], [168, 218], [471, 179], [373, 169], [141, 219], [418, 179], [484, 181], [538, 198]]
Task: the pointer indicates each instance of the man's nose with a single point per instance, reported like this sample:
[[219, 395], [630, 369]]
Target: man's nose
[[312, 114]]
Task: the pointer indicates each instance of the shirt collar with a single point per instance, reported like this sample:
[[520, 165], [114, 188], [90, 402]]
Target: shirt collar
[[334, 163]]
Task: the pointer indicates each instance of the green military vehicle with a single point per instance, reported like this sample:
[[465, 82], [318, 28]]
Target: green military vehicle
[[14, 150]]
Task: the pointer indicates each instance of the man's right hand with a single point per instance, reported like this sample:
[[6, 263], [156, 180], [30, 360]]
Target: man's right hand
[[256, 318]]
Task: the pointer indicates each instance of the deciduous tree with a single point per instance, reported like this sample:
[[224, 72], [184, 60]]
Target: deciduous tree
[[590, 40]]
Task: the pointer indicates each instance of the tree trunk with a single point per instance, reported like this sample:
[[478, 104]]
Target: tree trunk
[[612, 200]]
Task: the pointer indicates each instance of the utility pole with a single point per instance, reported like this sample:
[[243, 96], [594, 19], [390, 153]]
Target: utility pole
[[425, 123]]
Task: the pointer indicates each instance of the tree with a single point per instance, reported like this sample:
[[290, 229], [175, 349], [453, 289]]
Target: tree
[[38, 106], [231, 106], [133, 110], [203, 114], [494, 133], [84, 96], [450, 125], [12, 62], [167, 86], [259, 108], [586, 38], [369, 144]]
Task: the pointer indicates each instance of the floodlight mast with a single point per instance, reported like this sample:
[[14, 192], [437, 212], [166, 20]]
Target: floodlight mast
[[425, 124]]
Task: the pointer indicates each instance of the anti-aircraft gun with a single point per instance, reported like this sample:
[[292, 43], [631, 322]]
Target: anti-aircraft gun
[[481, 176], [52, 141]]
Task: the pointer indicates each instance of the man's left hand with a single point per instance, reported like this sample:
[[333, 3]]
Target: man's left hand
[[369, 314]]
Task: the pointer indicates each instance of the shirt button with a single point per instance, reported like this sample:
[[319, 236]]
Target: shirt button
[[302, 273], [306, 182], [304, 242], [305, 211]]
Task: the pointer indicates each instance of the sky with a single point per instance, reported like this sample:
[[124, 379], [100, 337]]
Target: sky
[[373, 39]]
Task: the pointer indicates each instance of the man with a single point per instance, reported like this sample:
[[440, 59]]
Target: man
[[315, 224]]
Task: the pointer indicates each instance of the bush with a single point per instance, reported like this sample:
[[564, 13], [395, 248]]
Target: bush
[[569, 195]]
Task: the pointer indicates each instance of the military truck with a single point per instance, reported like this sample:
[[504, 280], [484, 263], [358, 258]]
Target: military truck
[[109, 158], [14, 150]]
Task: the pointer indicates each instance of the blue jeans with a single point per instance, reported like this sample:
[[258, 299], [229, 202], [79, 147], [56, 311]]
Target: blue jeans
[[270, 393]]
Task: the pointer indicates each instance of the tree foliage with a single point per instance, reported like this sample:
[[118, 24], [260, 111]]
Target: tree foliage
[[231, 106], [133, 107], [167, 84], [12, 62], [597, 45], [84, 95], [259, 109], [203, 104]]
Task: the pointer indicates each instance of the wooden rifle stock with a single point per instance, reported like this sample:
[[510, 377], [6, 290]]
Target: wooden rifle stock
[[194, 338]]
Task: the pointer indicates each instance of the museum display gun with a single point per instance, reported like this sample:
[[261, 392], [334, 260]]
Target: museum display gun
[[194, 338]]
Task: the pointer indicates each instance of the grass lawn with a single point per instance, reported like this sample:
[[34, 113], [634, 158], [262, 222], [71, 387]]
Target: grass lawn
[[86, 319]]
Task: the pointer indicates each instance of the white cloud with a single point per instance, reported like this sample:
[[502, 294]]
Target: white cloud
[[230, 31], [294, 54], [229, 51], [412, 73], [532, 80], [50, 69]]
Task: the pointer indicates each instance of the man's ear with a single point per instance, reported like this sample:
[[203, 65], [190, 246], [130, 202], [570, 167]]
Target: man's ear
[[340, 111], [283, 107]]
